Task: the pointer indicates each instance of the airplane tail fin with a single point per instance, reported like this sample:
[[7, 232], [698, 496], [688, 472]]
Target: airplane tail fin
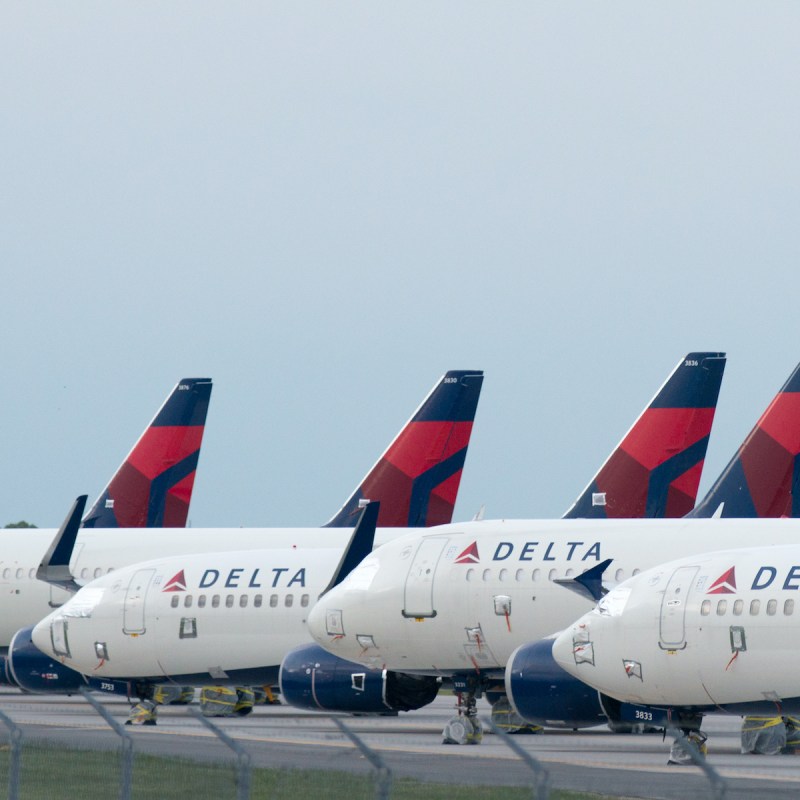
[[416, 480], [153, 487], [655, 470], [763, 478]]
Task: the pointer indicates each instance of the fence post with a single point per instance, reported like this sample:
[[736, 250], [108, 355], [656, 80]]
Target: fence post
[[126, 770], [15, 754], [719, 787], [242, 756], [541, 777], [383, 775]]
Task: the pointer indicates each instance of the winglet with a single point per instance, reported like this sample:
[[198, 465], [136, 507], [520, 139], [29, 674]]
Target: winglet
[[655, 470], [588, 584], [359, 546], [418, 476], [54, 567]]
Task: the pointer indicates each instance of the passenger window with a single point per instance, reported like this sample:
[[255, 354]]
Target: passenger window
[[304, 601], [788, 608], [273, 601], [243, 601], [772, 607], [535, 575], [6, 573], [503, 575], [201, 601], [755, 607], [470, 574], [175, 601], [552, 575], [722, 607], [31, 573], [215, 601], [569, 573], [705, 608], [486, 574], [619, 575], [289, 600], [187, 601], [635, 572], [229, 601], [737, 608], [20, 572], [84, 573], [519, 575], [257, 600], [98, 572]]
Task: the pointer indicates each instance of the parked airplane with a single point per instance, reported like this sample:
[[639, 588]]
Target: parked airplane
[[422, 465], [760, 480], [246, 657], [465, 603], [709, 632]]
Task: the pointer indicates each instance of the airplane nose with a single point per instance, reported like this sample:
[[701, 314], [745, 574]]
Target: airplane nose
[[562, 651], [41, 636], [315, 622]]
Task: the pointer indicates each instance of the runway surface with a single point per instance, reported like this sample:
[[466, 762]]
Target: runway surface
[[410, 744]]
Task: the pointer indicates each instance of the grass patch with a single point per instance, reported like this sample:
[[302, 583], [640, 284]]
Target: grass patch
[[49, 770]]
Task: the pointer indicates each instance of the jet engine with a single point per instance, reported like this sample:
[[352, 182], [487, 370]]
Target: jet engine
[[310, 677], [30, 669], [544, 694]]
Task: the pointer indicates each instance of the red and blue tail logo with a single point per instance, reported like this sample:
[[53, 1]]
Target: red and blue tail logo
[[655, 471], [763, 478], [153, 487], [416, 480]]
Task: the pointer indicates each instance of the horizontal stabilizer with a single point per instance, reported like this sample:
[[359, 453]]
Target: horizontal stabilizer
[[54, 568], [359, 546], [588, 584]]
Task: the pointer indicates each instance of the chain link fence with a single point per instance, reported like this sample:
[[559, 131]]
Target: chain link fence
[[102, 761]]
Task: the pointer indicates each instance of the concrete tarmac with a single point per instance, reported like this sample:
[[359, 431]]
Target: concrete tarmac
[[410, 744]]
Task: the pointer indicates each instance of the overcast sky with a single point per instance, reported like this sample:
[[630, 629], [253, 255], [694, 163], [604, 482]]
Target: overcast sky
[[324, 206]]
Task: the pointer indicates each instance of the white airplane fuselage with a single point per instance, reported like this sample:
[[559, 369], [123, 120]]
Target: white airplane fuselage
[[24, 600], [712, 630], [203, 617], [461, 598]]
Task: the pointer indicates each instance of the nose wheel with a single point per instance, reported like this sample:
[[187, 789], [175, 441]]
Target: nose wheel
[[465, 728]]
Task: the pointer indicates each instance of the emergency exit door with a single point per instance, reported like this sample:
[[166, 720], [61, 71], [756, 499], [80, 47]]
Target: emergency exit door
[[133, 612], [418, 599], [672, 628]]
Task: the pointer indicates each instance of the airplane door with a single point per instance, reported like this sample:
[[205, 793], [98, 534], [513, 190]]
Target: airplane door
[[672, 627], [133, 611], [418, 599]]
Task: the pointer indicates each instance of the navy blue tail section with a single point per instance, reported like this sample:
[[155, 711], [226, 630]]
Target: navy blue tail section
[[153, 487], [416, 480], [655, 470]]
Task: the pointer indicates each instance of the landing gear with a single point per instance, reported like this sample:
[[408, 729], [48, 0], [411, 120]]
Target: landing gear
[[226, 701], [465, 728], [506, 719], [689, 725]]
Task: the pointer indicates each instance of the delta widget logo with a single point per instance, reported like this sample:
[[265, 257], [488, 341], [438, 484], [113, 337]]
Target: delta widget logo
[[177, 583], [725, 584], [469, 555]]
